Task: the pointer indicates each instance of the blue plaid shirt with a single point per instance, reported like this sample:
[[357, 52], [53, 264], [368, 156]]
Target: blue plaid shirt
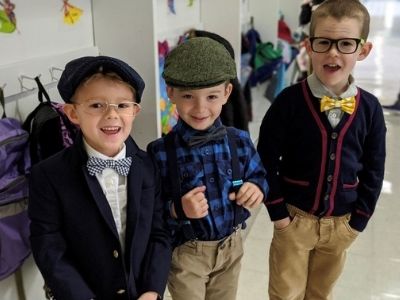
[[210, 165]]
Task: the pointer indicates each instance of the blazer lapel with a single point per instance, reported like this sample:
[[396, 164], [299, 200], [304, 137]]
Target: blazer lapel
[[134, 186]]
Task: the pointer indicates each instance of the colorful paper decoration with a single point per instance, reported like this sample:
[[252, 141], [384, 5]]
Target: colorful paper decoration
[[72, 13], [8, 21], [169, 115]]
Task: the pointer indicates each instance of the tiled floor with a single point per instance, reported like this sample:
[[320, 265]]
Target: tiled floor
[[372, 271]]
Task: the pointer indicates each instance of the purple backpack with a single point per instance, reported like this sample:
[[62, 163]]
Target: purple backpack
[[14, 167]]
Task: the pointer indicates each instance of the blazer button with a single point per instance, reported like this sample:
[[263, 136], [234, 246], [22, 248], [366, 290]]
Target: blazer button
[[115, 253], [121, 291]]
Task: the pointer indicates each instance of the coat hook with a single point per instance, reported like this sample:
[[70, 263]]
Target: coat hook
[[21, 82], [52, 70]]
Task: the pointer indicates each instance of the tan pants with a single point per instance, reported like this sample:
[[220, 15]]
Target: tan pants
[[206, 270], [307, 257]]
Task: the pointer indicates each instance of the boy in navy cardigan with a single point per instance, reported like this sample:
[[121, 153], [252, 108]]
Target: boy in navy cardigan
[[97, 229], [323, 144]]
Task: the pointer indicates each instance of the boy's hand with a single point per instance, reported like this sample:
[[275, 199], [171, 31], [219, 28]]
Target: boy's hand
[[280, 224], [249, 195], [149, 296], [194, 203]]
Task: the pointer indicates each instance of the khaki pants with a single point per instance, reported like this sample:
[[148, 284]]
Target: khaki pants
[[206, 270], [307, 257]]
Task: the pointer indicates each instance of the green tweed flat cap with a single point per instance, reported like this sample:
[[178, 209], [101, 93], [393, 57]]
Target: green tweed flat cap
[[199, 62]]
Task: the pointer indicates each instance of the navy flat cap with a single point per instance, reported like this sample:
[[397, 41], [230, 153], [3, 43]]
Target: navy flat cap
[[78, 69]]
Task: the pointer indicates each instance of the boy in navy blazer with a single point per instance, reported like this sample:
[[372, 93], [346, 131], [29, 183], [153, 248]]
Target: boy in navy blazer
[[97, 228]]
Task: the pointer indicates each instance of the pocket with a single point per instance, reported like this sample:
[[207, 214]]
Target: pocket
[[352, 232], [296, 182], [191, 175], [350, 186]]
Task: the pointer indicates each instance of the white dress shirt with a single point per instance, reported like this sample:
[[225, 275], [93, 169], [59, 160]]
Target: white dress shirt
[[115, 190]]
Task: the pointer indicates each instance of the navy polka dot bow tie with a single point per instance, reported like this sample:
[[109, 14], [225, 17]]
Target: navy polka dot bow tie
[[96, 165]]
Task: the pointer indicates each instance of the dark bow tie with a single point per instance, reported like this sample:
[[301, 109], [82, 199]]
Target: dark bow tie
[[215, 134], [96, 165]]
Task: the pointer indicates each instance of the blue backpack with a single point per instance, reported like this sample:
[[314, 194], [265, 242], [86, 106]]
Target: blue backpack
[[14, 168]]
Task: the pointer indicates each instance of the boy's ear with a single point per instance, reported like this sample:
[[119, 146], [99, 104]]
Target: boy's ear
[[365, 50], [70, 112], [228, 90], [170, 93], [307, 45]]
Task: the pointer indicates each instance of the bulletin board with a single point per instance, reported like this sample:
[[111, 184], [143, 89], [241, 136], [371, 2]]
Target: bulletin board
[[174, 18]]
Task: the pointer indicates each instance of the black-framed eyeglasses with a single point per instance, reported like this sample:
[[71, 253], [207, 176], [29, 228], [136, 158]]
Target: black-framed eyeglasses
[[345, 46], [99, 107]]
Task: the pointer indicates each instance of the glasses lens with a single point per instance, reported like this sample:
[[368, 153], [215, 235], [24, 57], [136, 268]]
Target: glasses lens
[[347, 45], [127, 108], [320, 45], [99, 107]]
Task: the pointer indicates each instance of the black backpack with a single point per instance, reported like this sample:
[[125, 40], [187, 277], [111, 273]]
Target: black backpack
[[49, 128]]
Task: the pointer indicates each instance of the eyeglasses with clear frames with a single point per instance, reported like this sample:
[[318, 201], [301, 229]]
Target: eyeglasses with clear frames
[[345, 46], [99, 107]]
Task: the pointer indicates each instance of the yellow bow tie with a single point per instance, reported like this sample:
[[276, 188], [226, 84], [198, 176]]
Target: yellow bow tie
[[347, 104]]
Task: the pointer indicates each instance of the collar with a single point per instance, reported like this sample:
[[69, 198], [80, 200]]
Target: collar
[[319, 90], [91, 152]]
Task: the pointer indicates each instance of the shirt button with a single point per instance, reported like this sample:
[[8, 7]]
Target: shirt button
[[229, 171], [121, 291], [332, 156], [329, 178], [207, 152], [115, 254], [211, 179], [334, 135]]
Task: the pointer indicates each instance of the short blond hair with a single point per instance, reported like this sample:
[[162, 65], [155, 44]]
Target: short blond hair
[[339, 9]]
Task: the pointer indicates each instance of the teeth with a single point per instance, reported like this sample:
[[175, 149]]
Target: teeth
[[332, 65], [110, 128]]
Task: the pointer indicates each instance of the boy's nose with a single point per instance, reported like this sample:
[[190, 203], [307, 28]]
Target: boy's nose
[[112, 110]]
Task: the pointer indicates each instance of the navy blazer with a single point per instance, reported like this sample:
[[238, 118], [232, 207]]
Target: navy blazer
[[74, 239]]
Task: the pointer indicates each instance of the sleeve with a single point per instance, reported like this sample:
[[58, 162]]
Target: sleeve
[[371, 176], [270, 146], [254, 170], [47, 242]]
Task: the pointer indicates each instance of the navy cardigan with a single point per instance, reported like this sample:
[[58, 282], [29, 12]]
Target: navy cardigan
[[322, 170]]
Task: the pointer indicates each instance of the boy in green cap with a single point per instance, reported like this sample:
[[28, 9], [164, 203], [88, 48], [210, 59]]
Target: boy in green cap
[[210, 174]]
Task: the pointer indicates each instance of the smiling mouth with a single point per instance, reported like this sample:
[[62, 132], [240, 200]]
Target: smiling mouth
[[332, 67], [111, 130]]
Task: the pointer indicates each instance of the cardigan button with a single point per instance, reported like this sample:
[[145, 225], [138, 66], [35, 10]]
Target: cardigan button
[[115, 254], [334, 135], [332, 156], [121, 291], [329, 178]]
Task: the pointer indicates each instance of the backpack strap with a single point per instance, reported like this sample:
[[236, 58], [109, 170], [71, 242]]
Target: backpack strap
[[237, 181], [2, 102], [42, 91], [175, 186]]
